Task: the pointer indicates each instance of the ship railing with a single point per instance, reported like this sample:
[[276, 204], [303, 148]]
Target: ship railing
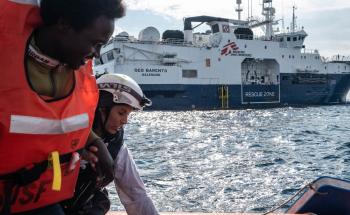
[[340, 58], [337, 59], [256, 37], [177, 42], [163, 42], [310, 51], [251, 37], [271, 38]]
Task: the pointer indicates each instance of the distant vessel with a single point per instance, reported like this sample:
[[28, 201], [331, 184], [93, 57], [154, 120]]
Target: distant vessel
[[228, 66]]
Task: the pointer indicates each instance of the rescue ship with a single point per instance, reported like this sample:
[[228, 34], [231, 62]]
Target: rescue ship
[[229, 66]]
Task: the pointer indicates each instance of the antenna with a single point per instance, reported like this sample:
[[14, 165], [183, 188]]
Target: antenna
[[251, 8], [248, 9], [294, 23], [239, 9], [283, 27]]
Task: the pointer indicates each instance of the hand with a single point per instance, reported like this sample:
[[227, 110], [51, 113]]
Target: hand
[[90, 155], [104, 164], [73, 162]]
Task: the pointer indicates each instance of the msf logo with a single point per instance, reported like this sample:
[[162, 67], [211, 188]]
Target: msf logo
[[229, 48]]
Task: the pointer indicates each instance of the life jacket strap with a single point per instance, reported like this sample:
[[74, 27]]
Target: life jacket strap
[[25, 176]]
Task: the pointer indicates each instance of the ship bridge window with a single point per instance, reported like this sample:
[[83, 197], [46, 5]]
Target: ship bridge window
[[207, 62], [285, 78], [288, 38], [215, 28], [295, 39], [189, 73], [244, 33], [97, 61], [110, 56]]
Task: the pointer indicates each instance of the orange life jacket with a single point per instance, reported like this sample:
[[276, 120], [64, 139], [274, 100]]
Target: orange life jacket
[[34, 133]]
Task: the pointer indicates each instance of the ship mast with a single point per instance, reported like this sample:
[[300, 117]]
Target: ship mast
[[269, 12], [294, 23], [239, 9]]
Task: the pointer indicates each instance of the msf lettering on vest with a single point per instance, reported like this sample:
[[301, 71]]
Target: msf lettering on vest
[[29, 194]]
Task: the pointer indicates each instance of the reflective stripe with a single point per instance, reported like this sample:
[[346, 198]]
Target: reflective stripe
[[32, 2], [37, 125]]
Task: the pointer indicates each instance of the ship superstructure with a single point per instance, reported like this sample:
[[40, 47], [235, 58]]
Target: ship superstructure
[[228, 67]]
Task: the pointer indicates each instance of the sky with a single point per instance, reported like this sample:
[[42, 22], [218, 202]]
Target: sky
[[326, 21]]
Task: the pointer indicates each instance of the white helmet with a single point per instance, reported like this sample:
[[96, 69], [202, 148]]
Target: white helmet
[[124, 90]]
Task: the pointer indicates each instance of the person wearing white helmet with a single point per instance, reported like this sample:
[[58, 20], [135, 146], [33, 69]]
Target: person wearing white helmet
[[119, 96]]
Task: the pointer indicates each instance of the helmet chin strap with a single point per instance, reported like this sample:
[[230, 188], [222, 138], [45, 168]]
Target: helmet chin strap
[[103, 122]]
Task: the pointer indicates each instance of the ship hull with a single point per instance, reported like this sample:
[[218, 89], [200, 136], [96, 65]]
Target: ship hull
[[292, 91]]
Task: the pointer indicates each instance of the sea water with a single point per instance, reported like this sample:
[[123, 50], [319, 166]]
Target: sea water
[[236, 160]]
